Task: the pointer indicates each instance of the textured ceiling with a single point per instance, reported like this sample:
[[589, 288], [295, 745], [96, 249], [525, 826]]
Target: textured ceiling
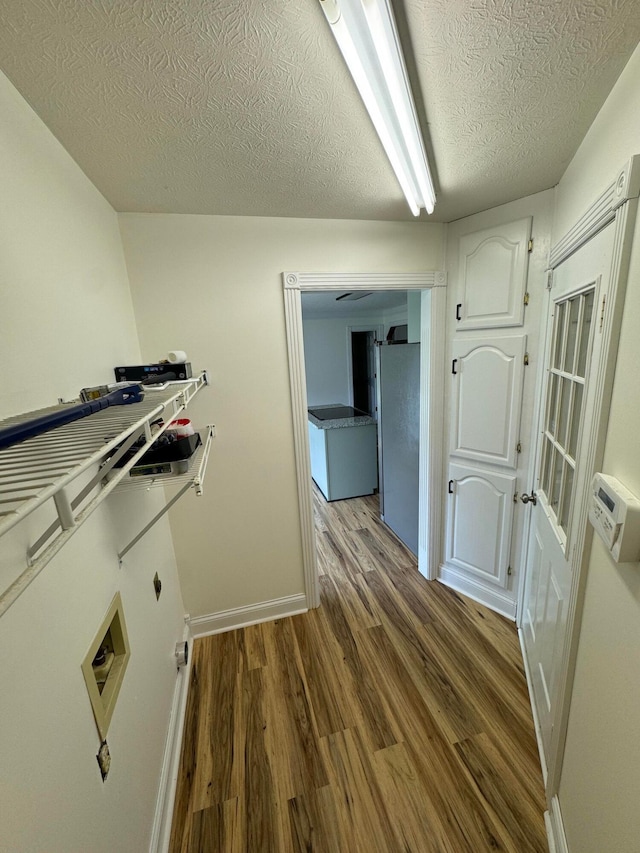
[[245, 106], [510, 88]]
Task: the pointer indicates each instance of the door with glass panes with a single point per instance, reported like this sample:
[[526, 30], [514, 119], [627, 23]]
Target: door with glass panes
[[573, 345]]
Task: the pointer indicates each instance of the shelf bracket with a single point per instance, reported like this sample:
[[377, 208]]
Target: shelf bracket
[[155, 518], [75, 503], [194, 481]]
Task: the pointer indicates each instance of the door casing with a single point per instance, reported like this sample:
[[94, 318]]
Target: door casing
[[433, 285]]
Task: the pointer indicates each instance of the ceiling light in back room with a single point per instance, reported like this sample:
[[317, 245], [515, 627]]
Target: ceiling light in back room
[[366, 33], [351, 297]]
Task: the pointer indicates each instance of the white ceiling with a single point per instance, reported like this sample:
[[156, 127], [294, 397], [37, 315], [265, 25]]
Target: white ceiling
[[325, 305], [245, 106]]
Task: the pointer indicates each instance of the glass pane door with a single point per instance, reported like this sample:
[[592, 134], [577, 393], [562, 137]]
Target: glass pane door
[[571, 338]]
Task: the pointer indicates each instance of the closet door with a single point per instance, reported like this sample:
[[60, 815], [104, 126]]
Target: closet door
[[480, 518], [488, 374], [492, 269], [490, 387]]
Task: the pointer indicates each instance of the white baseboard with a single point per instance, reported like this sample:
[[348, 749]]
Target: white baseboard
[[240, 617], [161, 830], [555, 828], [496, 599]]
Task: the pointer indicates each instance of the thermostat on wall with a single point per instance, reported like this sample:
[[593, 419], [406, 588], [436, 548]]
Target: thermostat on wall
[[614, 513]]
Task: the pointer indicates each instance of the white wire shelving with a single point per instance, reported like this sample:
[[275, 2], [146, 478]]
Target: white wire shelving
[[69, 465], [192, 479]]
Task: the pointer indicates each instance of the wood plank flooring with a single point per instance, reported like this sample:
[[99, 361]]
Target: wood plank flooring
[[395, 717]]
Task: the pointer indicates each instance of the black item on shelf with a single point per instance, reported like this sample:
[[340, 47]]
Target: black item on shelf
[[140, 372], [167, 448], [43, 423]]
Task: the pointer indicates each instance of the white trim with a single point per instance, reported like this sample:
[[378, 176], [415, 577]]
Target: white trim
[[298, 384], [241, 617], [498, 600], [363, 280], [603, 210], [430, 432], [432, 408], [555, 828], [165, 800]]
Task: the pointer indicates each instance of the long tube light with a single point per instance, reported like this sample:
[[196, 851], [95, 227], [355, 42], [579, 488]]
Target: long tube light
[[366, 33]]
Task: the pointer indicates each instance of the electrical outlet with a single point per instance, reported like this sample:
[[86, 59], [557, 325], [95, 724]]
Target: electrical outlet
[[157, 585], [104, 759]]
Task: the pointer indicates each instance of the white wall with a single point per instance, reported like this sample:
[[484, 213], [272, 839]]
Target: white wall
[[66, 320], [327, 352], [601, 773], [212, 285]]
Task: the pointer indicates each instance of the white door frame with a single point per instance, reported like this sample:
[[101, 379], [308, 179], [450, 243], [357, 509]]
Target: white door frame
[[431, 405], [617, 204]]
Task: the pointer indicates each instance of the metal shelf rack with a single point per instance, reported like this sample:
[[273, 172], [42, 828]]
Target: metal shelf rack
[[193, 479], [68, 466]]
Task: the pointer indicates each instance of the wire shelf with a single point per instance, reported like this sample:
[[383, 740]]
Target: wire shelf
[[50, 466], [193, 477]]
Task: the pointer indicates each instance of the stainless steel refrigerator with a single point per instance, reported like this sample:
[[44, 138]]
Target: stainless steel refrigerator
[[398, 375]]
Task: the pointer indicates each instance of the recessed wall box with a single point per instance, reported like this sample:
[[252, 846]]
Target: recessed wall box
[[614, 512], [105, 663]]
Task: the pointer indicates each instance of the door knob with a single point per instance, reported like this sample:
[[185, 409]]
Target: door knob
[[532, 497]]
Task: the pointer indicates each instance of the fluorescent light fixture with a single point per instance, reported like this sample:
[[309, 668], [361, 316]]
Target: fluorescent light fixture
[[368, 39]]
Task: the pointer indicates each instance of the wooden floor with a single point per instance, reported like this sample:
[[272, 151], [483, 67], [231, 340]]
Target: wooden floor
[[393, 718]]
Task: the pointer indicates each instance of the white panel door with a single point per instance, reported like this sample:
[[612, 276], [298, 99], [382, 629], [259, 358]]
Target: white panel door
[[493, 274], [488, 376], [573, 349], [480, 519]]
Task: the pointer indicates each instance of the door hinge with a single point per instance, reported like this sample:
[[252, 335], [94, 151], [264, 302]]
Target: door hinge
[[530, 246], [509, 571], [604, 302], [519, 447], [526, 299], [549, 279], [526, 359]]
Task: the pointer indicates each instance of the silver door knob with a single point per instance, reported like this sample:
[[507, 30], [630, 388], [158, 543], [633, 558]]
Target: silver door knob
[[532, 497]]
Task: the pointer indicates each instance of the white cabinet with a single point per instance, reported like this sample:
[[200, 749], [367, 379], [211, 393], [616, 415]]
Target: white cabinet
[[493, 274], [487, 398], [494, 335], [479, 523], [344, 462]]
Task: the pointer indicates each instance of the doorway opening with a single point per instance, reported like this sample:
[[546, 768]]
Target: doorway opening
[[430, 324], [363, 371]]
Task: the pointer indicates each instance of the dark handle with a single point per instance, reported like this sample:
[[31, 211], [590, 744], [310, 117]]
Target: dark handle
[[458, 307], [453, 366], [450, 487], [44, 423]]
